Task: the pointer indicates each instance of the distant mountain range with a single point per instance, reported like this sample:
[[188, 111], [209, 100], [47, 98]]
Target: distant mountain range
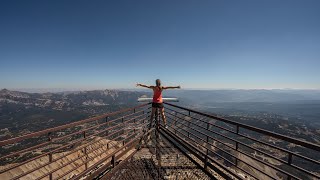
[[224, 95], [69, 100], [303, 105], [22, 112], [33, 111], [209, 96]]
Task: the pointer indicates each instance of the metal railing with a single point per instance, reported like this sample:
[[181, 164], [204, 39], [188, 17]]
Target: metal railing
[[92, 147], [239, 150], [87, 147]]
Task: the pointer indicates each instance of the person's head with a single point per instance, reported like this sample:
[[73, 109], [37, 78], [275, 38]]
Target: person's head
[[158, 82]]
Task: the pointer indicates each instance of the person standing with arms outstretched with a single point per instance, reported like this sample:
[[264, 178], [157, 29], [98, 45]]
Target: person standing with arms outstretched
[[157, 101]]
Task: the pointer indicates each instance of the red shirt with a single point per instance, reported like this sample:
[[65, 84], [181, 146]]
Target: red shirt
[[157, 95]]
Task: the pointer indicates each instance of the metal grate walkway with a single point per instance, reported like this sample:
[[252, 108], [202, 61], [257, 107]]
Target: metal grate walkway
[[144, 164]]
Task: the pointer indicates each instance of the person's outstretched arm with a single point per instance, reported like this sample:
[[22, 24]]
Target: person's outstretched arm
[[172, 87], [142, 85]]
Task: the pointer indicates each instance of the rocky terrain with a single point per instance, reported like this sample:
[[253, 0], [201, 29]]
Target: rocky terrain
[[22, 112], [68, 100]]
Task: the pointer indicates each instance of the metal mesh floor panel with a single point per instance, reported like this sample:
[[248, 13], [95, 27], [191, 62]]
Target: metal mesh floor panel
[[145, 164]]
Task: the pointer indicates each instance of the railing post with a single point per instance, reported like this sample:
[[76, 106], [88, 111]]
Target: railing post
[[49, 137], [50, 160], [189, 128], [113, 161], [134, 128], [237, 146], [289, 162], [207, 152], [157, 136], [85, 150], [290, 159], [124, 129], [86, 155], [206, 160], [143, 118], [175, 124], [107, 125], [50, 154]]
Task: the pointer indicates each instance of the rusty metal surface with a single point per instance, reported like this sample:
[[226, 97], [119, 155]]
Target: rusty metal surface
[[230, 145], [145, 164]]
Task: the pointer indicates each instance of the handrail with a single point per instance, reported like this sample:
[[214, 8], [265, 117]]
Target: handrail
[[201, 154], [59, 148], [278, 169], [113, 153], [259, 130], [113, 128], [63, 137], [38, 133], [206, 132], [248, 137]]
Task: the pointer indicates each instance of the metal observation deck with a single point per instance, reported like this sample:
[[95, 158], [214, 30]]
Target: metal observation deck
[[123, 145]]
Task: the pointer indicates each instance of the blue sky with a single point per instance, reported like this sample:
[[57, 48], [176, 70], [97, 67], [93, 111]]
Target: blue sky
[[197, 44]]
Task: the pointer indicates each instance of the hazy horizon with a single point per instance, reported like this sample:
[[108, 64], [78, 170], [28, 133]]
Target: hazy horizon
[[57, 90]]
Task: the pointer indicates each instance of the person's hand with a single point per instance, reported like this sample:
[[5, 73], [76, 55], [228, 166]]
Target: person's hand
[[138, 84], [179, 87]]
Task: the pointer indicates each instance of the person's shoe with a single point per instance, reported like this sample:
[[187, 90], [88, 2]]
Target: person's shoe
[[166, 126]]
